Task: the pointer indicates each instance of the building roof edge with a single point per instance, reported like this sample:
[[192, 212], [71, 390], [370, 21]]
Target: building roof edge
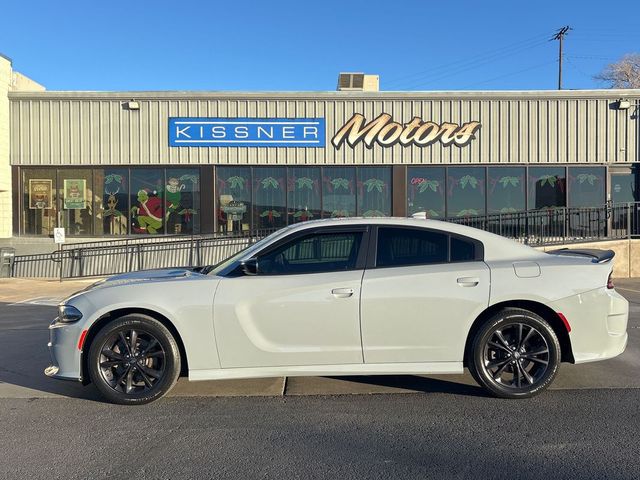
[[399, 95]]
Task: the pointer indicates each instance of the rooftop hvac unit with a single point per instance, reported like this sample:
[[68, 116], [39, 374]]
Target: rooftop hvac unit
[[357, 82]]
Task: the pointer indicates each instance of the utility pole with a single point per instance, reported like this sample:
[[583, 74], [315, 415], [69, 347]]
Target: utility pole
[[560, 37]]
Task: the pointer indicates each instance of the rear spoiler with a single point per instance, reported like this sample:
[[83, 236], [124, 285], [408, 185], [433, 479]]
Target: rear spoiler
[[597, 256]]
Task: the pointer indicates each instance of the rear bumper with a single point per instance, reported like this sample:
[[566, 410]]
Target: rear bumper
[[598, 320]]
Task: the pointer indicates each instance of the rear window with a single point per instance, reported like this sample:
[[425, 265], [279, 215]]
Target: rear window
[[462, 250]]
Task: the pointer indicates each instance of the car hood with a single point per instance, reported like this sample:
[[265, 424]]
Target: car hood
[[158, 275], [161, 273]]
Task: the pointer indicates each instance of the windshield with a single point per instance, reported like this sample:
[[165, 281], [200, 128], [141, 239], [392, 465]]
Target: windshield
[[246, 252]]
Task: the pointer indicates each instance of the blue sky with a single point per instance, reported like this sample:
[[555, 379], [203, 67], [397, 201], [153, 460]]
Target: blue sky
[[302, 45]]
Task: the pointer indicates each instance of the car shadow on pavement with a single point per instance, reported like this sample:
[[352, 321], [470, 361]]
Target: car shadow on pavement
[[457, 385], [24, 355]]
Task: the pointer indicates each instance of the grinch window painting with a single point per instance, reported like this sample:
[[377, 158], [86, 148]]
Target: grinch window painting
[[465, 191], [233, 186], [374, 191], [148, 207], [426, 188], [303, 194], [547, 187], [114, 200], [182, 199], [338, 192], [506, 190], [586, 186], [269, 197]]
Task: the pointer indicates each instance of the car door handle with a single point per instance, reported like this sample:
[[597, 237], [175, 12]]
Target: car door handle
[[342, 292], [468, 281]]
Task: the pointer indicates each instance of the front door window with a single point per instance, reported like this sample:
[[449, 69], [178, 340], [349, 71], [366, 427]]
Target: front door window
[[315, 253]]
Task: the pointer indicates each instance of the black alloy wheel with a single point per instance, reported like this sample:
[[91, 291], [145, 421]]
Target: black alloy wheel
[[516, 354], [134, 360]]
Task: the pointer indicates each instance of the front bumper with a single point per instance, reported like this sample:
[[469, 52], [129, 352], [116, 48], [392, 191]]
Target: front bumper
[[598, 320], [66, 357]]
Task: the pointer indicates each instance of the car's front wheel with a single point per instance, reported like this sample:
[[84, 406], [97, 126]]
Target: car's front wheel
[[134, 360], [515, 354]]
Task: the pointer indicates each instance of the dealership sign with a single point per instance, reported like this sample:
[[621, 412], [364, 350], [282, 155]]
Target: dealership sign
[[385, 132], [247, 132]]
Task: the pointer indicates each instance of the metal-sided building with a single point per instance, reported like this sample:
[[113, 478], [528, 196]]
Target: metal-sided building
[[153, 163]]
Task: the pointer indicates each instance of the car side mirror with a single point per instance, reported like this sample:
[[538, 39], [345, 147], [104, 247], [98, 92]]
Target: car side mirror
[[250, 266]]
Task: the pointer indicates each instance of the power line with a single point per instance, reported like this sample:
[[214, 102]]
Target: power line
[[590, 57], [509, 74], [533, 41], [575, 67], [472, 65]]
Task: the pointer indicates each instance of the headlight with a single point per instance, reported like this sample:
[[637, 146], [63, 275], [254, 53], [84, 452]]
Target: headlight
[[68, 314]]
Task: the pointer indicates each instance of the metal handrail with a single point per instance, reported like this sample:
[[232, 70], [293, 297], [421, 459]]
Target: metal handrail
[[555, 226]]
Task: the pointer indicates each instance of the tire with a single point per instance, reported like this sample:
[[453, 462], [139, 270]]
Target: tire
[[515, 354], [134, 360]]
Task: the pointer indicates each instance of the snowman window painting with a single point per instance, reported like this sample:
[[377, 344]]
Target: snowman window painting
[[182, 197], [74, 193]]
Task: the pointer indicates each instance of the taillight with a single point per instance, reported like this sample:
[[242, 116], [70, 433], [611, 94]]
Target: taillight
[[610, 281]]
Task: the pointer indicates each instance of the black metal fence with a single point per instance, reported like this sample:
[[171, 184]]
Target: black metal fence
[[537, 228], [562, 225]]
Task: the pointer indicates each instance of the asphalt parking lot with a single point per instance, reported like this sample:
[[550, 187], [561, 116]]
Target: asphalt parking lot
[[434, 427]]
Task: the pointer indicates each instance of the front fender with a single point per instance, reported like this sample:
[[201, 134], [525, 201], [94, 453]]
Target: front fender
[[186, 304]]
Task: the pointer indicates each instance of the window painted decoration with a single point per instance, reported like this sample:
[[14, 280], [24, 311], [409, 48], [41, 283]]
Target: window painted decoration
[[506, 190], [246, 132], [74, 193], [40, 194], [148, 205], [115, 202], [465, 191], [426, 189]]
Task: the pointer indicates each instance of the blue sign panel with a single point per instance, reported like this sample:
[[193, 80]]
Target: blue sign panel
[[246, 132]]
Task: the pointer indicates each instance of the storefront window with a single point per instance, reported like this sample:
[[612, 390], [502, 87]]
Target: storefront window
[[148, 208], [39, 201], [269, 190], [505, 192], [374, 191], [586, 186], [75, 190], [182, 196], [111, 201], [425, 189], [234, 199], [465, 191], [338, 192], [303, 194], [624, 187], [547, 187]]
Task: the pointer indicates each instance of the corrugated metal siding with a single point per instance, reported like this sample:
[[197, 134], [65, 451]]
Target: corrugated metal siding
[[93, 129]]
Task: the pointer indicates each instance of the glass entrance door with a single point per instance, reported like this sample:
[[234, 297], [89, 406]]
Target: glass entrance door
[[624, 195]]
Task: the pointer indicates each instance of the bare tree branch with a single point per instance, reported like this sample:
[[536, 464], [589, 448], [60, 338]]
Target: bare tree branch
[[622, 74]]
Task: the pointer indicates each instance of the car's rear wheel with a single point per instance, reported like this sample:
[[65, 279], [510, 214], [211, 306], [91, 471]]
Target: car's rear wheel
[[515, 354], [134, 360]]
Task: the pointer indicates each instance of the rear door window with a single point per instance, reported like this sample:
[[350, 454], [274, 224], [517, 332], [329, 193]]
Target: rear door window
[[411, 246]]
